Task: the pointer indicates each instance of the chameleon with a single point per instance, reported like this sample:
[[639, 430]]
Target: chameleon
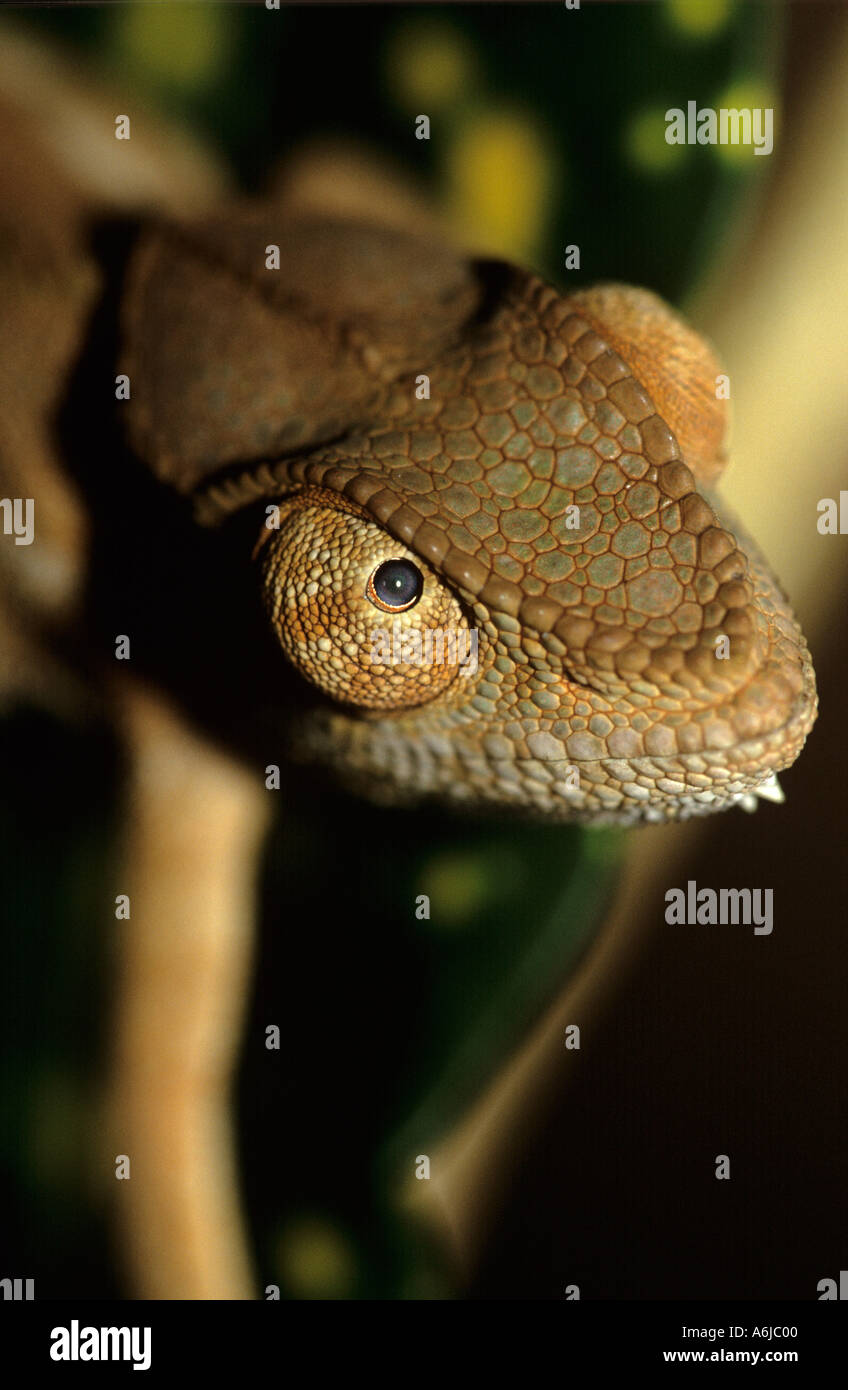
[[383, 434], [436, 444]]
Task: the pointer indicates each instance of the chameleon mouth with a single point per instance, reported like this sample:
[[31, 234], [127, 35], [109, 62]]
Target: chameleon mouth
[[769, 790]]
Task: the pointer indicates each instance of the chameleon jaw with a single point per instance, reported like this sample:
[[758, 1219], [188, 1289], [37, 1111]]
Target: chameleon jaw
[[398, 765], [769, 790]]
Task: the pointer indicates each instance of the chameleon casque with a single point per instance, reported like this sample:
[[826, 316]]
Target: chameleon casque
[[550, 488], [553, 492]]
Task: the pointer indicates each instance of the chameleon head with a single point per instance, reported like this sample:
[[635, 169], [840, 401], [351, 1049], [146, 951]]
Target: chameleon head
[[434, 693], [577, 635], [501, 566]]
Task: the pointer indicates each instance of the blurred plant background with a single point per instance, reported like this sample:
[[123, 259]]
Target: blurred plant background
[[547, 131]]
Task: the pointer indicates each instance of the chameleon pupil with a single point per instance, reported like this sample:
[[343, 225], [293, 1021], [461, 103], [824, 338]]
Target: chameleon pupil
[[396, 584]]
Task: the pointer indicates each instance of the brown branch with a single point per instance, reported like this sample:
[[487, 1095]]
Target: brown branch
[[196, 824]]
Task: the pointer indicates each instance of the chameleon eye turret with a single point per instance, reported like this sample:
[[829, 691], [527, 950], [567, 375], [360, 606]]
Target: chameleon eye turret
[[360, 618]]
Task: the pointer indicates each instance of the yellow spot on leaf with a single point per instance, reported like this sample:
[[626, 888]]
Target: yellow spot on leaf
[[699, 19], [457, 885], [429, 66], [314, 1260], [746, 95], [645, 145], [463, 883], [499, 178], [186, 46]]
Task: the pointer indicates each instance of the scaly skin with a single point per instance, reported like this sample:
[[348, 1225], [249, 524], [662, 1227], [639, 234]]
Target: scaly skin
[[601, 631]]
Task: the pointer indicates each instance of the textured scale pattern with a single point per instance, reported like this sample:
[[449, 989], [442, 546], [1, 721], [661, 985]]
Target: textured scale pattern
[[557, 482], [315, 581]]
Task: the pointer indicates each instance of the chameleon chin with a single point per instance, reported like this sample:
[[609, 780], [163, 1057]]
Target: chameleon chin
[[461, 446]]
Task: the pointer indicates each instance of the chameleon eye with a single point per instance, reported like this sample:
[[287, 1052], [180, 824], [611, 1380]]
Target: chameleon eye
[[367, 622], [395, 586]]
